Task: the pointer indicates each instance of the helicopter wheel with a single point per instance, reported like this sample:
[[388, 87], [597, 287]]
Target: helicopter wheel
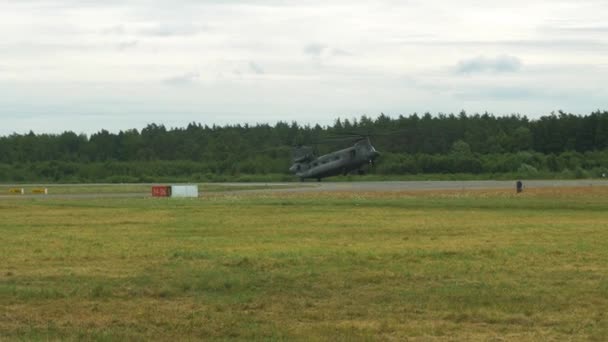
[[318, 179]]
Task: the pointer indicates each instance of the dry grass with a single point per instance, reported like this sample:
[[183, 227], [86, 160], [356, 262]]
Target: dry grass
[[436, 265]]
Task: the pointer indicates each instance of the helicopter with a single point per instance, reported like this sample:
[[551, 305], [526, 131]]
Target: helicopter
[[307, 165]]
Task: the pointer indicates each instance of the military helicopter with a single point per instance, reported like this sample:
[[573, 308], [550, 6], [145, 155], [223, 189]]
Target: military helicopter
[[307, 165]]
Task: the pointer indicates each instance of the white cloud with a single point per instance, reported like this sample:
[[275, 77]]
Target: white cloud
[[314, 49], [114, 30], [482, 64], [255, 68], [182, 79], [127, 44], [298, 60], [340, 52], [172, 29]]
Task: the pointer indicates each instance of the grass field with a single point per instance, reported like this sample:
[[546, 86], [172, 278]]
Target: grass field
[[67, 189], [340, 266]]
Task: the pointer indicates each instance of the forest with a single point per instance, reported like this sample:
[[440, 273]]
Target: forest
[[443, 146]]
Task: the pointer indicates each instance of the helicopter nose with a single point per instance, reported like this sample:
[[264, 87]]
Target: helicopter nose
[[375, 154]]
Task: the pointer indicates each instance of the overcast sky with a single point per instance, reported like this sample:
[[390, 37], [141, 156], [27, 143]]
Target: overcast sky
[[84, 65]]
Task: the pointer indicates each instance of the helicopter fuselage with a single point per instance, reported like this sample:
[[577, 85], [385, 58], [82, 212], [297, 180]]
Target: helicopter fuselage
[[336, 163]]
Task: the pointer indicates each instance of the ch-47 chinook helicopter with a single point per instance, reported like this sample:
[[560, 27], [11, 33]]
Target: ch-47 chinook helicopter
[[307, 165]]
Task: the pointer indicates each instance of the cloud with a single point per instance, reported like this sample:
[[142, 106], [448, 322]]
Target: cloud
[[355, 55], [169, 30], [156, 30], [114, 30], [319, 50], [547, 45], [578, 28], [499, 64], [499, 93], [256, 68], [340, 52], [127, 44], [183, 79], [314, 49]]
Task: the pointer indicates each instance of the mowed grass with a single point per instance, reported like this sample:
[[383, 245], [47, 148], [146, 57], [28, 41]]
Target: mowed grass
[[70, 189], [473, 265]]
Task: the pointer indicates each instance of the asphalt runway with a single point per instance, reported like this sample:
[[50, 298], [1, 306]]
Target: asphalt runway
[[391, 186], [398, 186]]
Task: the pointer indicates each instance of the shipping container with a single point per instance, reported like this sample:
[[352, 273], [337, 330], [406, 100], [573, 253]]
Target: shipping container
[[184, 190], [161, 191]]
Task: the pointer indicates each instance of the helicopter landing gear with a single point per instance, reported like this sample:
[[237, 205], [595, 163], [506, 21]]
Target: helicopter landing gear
[[318, 179]]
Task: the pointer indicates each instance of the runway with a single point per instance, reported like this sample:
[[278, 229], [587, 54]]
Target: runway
[[388, 186], [398, 186]]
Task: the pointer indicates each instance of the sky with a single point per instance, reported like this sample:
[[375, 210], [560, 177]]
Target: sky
[[87, 65]]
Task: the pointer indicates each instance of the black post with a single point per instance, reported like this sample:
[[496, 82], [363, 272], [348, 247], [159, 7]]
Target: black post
[[519, 186]]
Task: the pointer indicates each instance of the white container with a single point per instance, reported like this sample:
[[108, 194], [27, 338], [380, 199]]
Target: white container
[[184, 190]]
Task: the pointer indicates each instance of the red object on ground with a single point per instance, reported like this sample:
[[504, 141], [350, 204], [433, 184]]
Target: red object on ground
[[161, 191]]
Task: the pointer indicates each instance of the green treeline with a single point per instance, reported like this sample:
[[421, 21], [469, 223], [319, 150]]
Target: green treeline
[[559, 144]]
